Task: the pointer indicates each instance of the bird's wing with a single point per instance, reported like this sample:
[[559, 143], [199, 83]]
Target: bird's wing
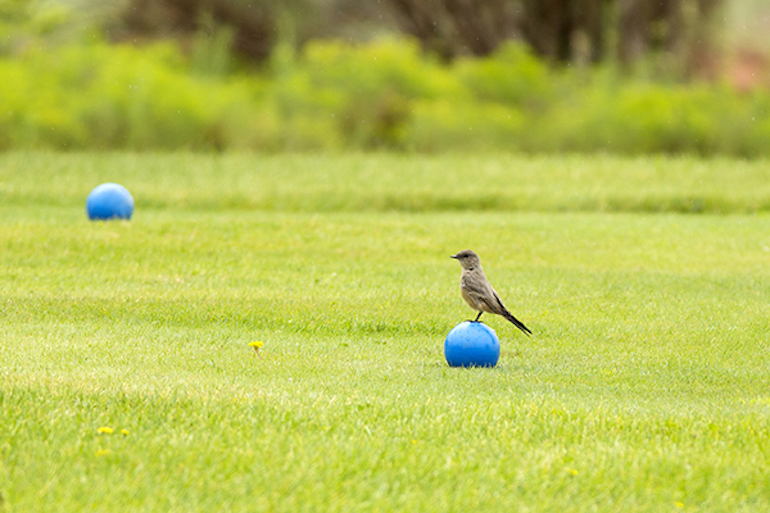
[[509, 316], [485, 296], [498, 304], [474, 287], [495, 303], [483, 293]]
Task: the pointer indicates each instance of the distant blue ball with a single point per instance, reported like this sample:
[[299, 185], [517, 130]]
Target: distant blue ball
[[472, 344], [109, 201]]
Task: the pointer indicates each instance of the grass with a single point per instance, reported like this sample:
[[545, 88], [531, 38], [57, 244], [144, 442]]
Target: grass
[[394, 182], [644, 387]]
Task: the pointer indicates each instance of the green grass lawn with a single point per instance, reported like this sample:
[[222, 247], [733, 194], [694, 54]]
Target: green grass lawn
[[645, 387]]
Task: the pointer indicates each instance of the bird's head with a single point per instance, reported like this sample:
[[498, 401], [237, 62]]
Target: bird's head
[[468, 259]]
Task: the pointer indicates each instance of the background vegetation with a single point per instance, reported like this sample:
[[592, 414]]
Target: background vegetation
[[66, 85]]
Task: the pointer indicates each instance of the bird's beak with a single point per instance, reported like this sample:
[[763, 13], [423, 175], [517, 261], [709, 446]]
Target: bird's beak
[[452, 256]]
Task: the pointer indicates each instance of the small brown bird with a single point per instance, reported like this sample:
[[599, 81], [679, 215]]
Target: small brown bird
[[478, 292]]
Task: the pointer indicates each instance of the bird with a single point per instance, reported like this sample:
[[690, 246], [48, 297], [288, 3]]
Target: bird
[[479, 293]]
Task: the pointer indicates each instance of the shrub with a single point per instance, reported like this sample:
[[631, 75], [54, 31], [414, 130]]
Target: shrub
[[512, 76], [335, 96], [441, 125]]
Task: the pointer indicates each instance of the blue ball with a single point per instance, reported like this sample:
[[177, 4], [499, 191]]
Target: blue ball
[[472, 344], [109, 201]]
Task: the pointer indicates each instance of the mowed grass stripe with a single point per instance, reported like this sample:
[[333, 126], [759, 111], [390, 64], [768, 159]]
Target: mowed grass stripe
[[393, 182]]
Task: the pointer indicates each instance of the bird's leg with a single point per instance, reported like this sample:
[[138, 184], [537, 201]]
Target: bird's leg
[[477, 317]]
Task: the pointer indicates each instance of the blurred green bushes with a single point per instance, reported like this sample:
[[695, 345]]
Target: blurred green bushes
[[383, 95]]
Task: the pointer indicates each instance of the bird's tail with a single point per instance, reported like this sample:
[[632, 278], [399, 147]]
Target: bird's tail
[[513, 320]]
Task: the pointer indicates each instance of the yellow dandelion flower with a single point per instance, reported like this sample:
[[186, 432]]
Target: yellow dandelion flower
[[572, 471], [256, 345], [124, 432], [105, 430], [679, 505]]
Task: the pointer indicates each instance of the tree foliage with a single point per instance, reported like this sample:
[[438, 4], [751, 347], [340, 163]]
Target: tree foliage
[[560, 30]]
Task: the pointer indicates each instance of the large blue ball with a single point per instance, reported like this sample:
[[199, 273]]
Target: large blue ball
[[109, 201], [472, 344]]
